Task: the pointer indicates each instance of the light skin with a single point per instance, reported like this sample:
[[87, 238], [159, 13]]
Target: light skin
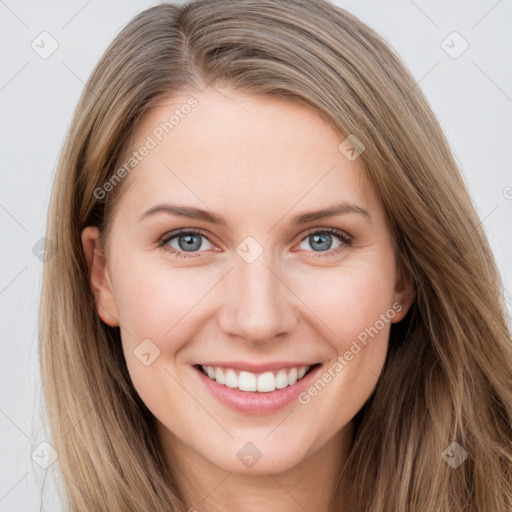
[[258, 163]]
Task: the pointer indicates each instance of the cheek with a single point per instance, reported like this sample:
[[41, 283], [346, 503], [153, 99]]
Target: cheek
[[154, 305], [355, 302], [153, 298], [348, 299], [161, 309]]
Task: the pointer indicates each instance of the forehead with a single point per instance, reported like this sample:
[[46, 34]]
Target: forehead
[[219, 145]]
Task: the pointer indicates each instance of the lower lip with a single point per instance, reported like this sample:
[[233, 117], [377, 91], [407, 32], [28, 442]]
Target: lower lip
[[250, 402]]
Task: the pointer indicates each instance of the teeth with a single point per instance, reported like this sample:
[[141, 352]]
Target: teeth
[[281, 379], [266, 382], [219, 376], [231, 379], [247, 381]]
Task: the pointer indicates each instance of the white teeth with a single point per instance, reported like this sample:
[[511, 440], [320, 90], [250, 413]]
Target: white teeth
[[247, 381], [231, 379], [281, 379], [266, 382], [219, 376]]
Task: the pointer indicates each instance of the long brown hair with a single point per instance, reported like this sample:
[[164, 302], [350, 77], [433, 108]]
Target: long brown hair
[[448, 374]]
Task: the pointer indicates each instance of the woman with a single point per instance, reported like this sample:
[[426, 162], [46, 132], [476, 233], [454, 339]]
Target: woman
[[200, 350]]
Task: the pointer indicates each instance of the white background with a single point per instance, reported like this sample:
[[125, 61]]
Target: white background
[[471, 95]]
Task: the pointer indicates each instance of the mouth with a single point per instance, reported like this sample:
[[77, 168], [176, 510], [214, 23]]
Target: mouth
[[266, 382], [256, 390]]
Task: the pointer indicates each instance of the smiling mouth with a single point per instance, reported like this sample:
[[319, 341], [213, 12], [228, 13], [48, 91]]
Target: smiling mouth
[[265, 382]]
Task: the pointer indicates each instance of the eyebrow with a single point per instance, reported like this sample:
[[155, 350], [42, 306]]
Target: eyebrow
[[191, 212], [337, 209]]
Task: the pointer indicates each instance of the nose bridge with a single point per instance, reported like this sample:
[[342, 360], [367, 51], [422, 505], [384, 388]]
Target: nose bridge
[[259, 305]]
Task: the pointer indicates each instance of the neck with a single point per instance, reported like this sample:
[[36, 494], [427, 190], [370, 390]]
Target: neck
[[307, 486]]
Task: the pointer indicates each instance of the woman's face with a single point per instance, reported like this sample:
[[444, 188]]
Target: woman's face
[[262, 281]]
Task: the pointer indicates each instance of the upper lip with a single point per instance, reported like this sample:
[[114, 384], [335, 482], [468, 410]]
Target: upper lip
[[257, 368]]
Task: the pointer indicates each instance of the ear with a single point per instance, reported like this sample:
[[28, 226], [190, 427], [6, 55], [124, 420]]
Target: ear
[[404, 293], [99, 276]]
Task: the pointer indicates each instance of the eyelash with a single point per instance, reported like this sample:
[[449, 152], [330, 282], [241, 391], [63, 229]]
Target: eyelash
[[344, 238]]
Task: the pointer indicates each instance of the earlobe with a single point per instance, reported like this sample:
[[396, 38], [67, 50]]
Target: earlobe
[[99, 277], [404, 295]]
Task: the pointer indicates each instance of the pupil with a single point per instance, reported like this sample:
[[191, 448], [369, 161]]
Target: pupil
[[189, 244], [324, 238]]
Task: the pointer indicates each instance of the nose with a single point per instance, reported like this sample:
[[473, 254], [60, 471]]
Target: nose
[[260, 304]]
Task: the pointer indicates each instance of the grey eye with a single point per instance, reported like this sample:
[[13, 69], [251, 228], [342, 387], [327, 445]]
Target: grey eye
[[320, 241], [188, 242]]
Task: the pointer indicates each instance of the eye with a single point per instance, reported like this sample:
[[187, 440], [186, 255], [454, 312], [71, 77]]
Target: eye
[[182, 242], [322, 240]]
